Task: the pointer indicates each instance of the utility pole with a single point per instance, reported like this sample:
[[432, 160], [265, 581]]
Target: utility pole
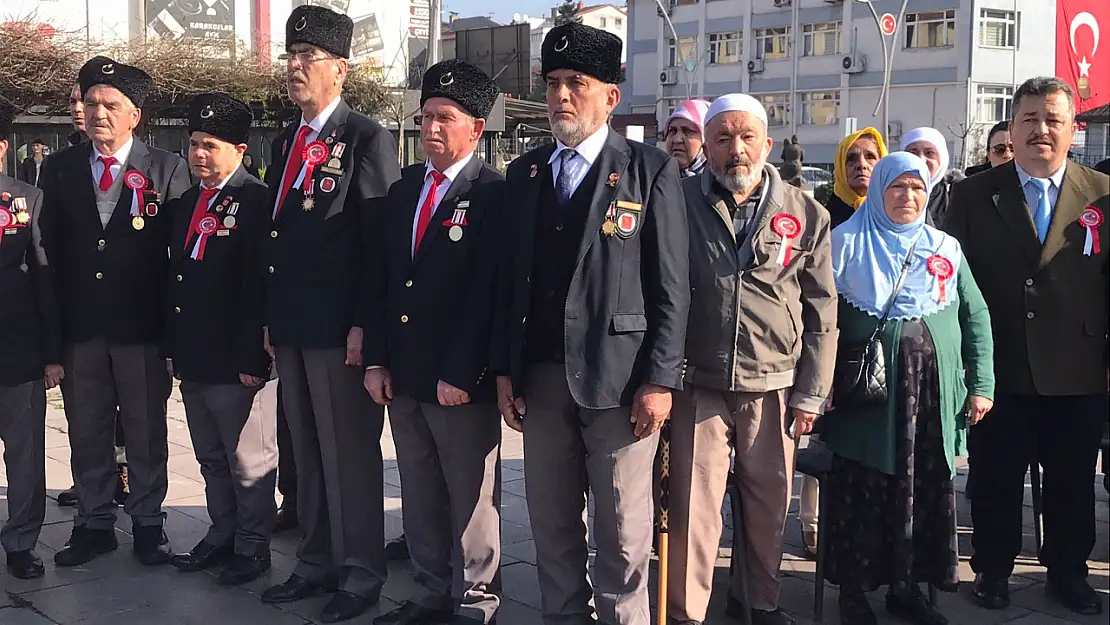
[[890, 44], [434, 26]]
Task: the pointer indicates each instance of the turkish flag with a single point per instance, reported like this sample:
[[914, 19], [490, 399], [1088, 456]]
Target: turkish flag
[[1082, 54]]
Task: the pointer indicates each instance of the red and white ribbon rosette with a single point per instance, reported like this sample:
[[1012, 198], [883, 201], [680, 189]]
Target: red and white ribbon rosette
[[205, 228], [942, 270], [315, 154], [1091, 219], [6, 220], [136, 181], [787, 227]]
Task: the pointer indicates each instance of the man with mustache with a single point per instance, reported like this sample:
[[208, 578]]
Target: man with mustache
[[331, 173], [1031, 231], [759, 353], [107, 237], [591, 327]]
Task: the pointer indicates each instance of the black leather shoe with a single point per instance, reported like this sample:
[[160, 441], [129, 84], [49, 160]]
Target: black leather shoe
[[397, 549], [911, 606], [855, 609], [85, 544], [25, 565], [243, 569], [992, 593], [293, 589], [466, 620], [771, 617], [152, 546], [344, 606], [1074, 594], [68, 497], [204, 555], [286, 519], [123, 489], [414, 614]]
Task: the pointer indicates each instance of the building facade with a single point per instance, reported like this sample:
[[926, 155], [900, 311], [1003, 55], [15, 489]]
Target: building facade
[[815, 63]]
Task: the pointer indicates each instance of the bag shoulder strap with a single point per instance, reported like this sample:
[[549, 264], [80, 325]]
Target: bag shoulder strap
[[897, 287]]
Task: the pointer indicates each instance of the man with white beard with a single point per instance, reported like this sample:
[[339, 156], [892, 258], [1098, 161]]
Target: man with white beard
[[759, 351], [588, 343]]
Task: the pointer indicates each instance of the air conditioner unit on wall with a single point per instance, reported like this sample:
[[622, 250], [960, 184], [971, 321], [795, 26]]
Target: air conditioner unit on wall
[[668, 76], [834, 1], [755, 66], [782, 3], [854, 63]]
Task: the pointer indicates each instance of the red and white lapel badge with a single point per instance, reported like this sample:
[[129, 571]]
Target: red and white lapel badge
[[1091, 219], [138, 183], [787, 227], [614, 178], [533, 171], [941, 268], [457, 221], [627, 218]]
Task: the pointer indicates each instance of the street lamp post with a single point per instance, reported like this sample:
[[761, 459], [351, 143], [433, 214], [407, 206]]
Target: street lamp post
[[889, 46], [687, 70]]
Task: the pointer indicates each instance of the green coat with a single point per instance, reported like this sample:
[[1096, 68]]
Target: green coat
[[962, 337]]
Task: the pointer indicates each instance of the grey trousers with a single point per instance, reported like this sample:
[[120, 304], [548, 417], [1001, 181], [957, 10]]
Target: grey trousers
[[450, 477], [99, 377], [336, 431], [23, 430], [569, 452], [235, 442]]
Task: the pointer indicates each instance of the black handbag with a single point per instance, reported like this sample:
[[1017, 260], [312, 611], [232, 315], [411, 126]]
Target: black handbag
[[859, 380]]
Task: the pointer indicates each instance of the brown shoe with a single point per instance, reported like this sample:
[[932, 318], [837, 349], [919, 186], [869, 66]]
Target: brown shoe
[[809, 544]]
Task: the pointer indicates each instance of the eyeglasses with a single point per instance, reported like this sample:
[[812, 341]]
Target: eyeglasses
[[1002, 149], [303, 58]]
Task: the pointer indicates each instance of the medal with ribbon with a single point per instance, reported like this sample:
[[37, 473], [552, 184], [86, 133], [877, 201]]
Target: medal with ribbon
[[137, 182], [609, 226], [456, 223], [1091, 219], [14, 216], [205, 228], [941, 268], [315, 154], [787, 227]]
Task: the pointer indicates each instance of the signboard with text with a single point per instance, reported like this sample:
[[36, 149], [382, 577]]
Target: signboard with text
[[209, 22]]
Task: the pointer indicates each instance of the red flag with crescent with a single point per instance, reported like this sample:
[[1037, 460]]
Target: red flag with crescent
[[1083, 50]]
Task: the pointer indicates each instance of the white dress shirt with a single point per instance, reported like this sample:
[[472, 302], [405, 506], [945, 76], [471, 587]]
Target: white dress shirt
[[1032, 191], [449, 174], [211, 201], [121, 161], [588, 151]]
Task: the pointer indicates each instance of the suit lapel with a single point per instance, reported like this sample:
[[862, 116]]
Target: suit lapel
[[334, 126], [613, 160], [1070, 203], [537, 182], [137, 160], [1009, 201], [86, 195], [446, 206]]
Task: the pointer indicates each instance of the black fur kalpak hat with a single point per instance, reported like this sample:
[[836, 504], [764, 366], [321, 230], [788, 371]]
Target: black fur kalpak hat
[[462, 83], [585, 49], [320, 27], [221, 116], [130, 81]]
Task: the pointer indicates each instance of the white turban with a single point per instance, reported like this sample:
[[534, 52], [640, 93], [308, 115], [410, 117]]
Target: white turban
[[933, 137], [736, 102]]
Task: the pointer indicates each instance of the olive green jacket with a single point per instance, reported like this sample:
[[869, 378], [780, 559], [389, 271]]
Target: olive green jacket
[[965, 362]]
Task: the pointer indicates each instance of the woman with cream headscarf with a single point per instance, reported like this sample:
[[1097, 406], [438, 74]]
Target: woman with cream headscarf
[[931, 146], [855, 158], [894, 523]]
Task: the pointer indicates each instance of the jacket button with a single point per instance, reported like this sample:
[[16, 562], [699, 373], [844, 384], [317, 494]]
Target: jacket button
[[559, 227], [180, 277], [99, 276], [404, 318], [273, 234], [100, 245], [270, 269], [1029, 282], [177, 309], [1029, 315], [408, 283], [524, 320]]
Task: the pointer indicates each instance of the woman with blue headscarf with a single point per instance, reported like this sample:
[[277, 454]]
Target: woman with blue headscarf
[[894, 521]]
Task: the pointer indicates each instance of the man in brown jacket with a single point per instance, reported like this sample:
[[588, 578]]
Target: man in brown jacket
[[1031, 232], [760, 345]]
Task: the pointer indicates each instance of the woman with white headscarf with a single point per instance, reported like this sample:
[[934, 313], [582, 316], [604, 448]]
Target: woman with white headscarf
[[931, 146], [893, 463]]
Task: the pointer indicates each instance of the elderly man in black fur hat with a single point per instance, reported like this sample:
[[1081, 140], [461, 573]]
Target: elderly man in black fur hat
[[329, 179], [107, 235], [427, 351], [592, 330], [214, 339]]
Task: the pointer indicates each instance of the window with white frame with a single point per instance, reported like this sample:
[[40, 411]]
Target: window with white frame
[[821, 39], [689, 51], [819, 108], [999, 29], [669, 105], [777, 106], [772, 43], [618, 22], [604, 22], [931, 29], [725, 47], [992, 104]]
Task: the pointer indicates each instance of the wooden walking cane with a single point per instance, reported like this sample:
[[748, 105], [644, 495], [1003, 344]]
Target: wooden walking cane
[[664, 511]]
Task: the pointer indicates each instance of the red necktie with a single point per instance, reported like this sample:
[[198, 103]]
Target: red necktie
[[106, 175], [293, 166], [199, 212], [427, 208]]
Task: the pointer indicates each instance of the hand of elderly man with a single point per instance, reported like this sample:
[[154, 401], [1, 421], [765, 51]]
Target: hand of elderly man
[[977, 408], [650, 409], [803, 422]]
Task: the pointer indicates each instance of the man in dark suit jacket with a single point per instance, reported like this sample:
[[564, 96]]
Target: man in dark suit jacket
[[427, 350], [107, 236], [30, 170], [30, 362], [214, 338], [331, 174], [590, 343], [1031, 231]]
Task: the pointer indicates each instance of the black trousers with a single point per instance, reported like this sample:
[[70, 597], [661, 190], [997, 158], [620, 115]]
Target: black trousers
[[1062, 434], [287, 467]]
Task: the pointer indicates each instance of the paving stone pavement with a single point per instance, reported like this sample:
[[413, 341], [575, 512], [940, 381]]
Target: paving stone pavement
[[115, 589]]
